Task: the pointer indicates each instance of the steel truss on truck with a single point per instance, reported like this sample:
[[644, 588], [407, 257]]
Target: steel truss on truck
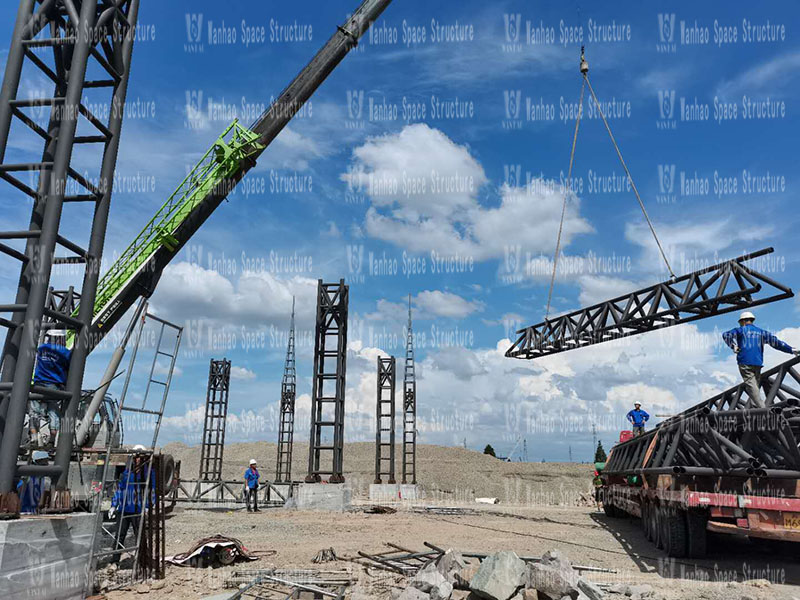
[[718, 289], [729, 435]]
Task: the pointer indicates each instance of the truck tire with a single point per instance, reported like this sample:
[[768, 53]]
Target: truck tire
[[646, 524], [167, 475], [696, 537], [675, 525], [658, 526]]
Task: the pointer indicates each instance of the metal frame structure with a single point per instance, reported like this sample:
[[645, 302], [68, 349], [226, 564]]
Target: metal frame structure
[[718, 289], [409, 408], [328, 386], [728, 435], [283, 469], [384, 421], [213, 442], [151, 516], [83, 37]]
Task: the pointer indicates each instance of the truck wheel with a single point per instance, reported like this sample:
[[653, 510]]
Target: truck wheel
[[675, 544], [696, 522], [646, 510], [658, 526]]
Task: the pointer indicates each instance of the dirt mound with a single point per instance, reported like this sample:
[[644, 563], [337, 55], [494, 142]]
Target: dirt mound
[[444, 473]]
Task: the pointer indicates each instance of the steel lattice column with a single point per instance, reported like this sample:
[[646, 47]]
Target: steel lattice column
[[328, 386], [283, 471], [76, 34], [409, 409], [219, 379], [384, 421]]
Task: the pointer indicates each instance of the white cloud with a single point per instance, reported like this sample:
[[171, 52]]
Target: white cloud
[[242, 373], [424, 190], [771, 76]]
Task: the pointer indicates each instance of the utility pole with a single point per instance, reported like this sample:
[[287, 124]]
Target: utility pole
[[570, 454], [594, 438], [525, 450]]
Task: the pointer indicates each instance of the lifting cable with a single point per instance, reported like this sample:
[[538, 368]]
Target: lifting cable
[[585, 71]]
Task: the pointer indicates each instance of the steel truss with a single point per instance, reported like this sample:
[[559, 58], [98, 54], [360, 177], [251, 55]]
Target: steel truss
[[384, 421], [718, 289], [91, 45], [213, 444], [409, 409], [730, 434], [283, 470], [328, 386]]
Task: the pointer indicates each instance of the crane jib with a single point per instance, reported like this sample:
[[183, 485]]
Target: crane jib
[[135, 273]]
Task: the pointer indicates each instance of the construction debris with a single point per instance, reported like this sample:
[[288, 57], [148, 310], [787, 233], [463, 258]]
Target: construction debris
[[444, 510], [325, 555], [499, 576], [379, 510], [212, 551]]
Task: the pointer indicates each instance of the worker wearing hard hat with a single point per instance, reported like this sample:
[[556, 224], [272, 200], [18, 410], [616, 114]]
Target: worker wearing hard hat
[[637, 418], [251, 477], [747, 341], [52, 367]]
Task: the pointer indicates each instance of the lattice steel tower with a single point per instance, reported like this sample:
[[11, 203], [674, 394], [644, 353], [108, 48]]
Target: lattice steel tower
[[219, 379], [83, 49], [283, 471], [328, 386], [384, 421], [409, 409]]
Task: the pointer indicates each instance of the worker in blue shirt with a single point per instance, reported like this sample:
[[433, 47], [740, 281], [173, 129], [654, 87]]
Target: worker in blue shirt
[[31, 488], [747, 341], [126, 505], [637, 418], [251, 477], [52, 367]]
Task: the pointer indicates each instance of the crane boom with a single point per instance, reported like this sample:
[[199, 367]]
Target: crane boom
[[139, 268]]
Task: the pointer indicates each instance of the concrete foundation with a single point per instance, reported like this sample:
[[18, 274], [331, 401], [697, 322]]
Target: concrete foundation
[[45, 557], [384, 492], [334, 497], [410, 492]]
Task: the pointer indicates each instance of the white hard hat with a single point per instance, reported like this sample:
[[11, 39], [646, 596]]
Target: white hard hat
[[139, 448], [253, 461], [746, 315], [56, 333]]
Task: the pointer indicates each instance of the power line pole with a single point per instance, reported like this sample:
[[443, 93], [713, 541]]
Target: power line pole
[[570, 454]]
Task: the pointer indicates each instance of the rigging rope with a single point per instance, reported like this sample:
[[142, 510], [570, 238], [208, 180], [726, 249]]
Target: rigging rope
[[566, 195], [586, 82]]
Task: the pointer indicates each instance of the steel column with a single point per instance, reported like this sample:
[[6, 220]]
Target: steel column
[[384, 421], [283, 470], [409, 408], [328, 386], [213, 445]]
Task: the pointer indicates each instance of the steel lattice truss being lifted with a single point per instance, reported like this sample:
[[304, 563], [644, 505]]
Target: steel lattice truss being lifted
[[83, 49], [409, 409], [283, 470], [213, 445], [721, 288], [730, 434], [328, 386], [384, 421]]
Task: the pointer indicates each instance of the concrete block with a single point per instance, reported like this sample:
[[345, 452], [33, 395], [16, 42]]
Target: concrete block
[[410, 492], [45, 555], [384, 492], [499, 576], [335, 497]]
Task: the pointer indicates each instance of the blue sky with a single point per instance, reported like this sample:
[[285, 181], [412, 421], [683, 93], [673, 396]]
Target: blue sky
[[432, 163]]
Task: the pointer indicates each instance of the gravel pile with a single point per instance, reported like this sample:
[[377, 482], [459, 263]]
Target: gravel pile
[[446, 474]]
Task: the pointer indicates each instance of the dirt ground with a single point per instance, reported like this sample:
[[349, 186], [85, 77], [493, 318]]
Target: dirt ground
[[733, 570]]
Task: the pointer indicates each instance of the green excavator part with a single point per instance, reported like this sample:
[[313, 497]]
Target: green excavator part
[[221, 161]]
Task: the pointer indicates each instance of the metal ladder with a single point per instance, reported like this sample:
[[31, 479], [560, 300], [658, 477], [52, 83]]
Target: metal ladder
[[140, 461]]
